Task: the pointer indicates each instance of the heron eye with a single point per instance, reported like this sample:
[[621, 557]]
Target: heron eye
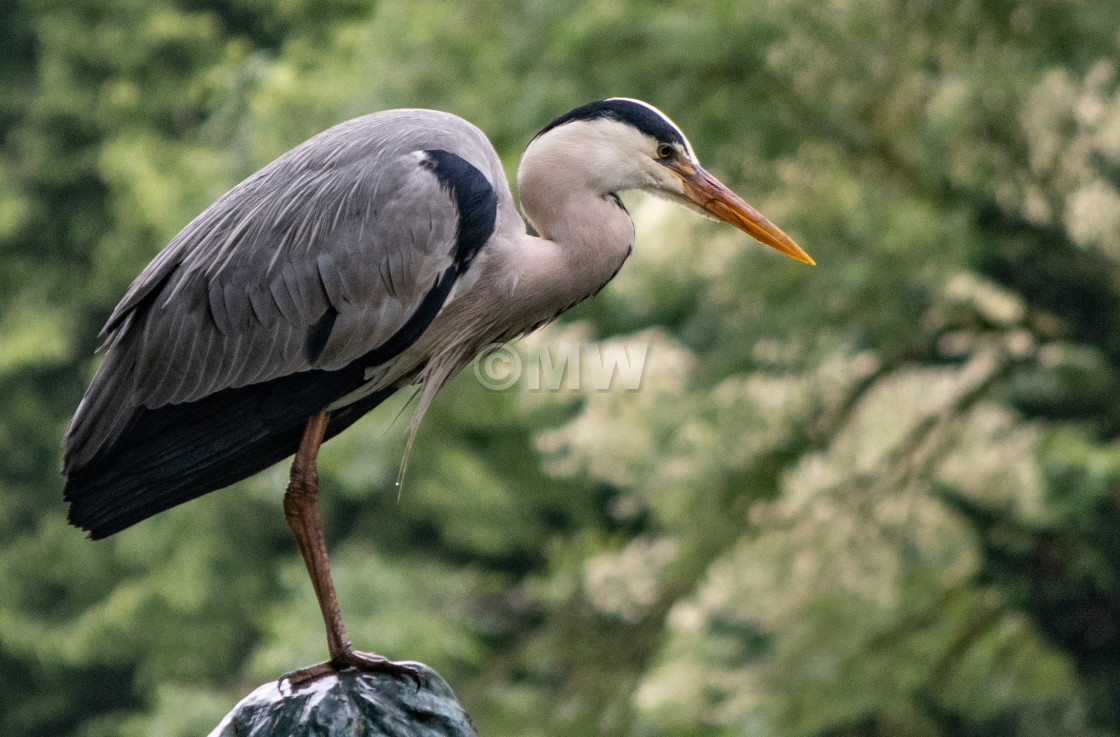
[[664, 151]]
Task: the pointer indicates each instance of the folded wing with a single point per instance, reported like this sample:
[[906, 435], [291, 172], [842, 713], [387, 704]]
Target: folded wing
[[265, 309]]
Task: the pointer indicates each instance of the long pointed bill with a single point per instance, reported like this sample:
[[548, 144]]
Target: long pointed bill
[[720, 202]]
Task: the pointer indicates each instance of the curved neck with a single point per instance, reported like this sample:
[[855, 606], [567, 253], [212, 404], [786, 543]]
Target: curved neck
[[585, 226], [569, 205]]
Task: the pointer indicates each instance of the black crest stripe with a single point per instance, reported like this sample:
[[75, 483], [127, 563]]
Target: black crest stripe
[[640, 116]]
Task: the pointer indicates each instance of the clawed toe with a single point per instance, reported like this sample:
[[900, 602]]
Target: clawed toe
[[355, 660], [299, 678], [374, 663]]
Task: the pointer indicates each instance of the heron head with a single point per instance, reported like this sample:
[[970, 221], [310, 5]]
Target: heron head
[[626, 144]]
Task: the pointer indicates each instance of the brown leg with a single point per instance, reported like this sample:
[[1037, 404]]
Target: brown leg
[[301, 508]]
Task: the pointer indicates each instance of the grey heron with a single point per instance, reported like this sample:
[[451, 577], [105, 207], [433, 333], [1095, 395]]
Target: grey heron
[[384, 252]]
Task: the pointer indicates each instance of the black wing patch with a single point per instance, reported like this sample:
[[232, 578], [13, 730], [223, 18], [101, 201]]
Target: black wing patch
[[475, 199], [318, 334]]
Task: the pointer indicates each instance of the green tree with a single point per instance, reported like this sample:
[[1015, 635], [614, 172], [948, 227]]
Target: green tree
[[874, 497]]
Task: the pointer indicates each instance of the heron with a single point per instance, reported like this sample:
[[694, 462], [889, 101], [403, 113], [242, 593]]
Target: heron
[[385, 252]]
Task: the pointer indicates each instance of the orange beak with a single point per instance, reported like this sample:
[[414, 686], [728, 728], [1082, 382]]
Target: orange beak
[[721, 203]]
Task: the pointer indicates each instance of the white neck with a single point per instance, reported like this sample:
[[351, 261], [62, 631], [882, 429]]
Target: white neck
[[573, 206]]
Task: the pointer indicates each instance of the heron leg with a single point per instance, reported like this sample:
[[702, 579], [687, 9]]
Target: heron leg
[[301, 508]]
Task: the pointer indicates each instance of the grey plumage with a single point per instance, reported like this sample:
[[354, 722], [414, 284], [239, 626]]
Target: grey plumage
[[346, 220]]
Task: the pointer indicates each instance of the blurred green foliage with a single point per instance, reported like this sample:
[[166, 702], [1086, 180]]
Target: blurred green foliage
[[876, 497]]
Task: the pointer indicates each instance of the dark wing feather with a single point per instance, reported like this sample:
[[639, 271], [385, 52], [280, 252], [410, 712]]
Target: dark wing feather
[[181, 451]]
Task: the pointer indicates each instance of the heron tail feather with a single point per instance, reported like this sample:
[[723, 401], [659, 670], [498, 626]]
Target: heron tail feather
[[179, 452]]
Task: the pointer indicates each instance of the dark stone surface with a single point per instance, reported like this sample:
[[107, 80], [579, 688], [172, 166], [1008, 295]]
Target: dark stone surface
[[351, 703]]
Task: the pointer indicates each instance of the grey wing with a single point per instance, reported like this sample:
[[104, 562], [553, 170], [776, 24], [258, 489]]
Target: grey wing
[[314, 261], [329, 276]]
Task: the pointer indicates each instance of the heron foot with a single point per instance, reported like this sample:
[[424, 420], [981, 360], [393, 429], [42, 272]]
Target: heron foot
[[351, 659]]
